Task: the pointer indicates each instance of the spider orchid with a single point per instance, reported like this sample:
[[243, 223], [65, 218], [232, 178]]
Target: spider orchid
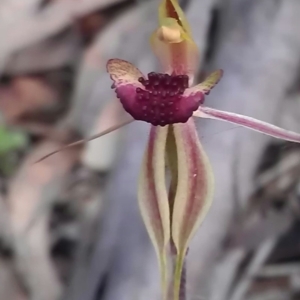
[[169, 101]]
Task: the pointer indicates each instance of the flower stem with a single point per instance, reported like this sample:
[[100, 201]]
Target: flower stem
[[179, 284], [182, 295], [164, 276]]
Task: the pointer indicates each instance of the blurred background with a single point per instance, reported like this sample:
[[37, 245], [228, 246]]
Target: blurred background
[[69, 225]]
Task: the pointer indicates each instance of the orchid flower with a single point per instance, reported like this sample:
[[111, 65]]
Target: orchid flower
[[173, 209], [168, 101]]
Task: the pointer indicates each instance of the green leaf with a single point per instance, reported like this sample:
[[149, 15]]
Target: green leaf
[[11, 140]]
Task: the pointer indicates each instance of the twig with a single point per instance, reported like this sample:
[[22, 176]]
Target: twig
[[226, 272], [31, 191], [279, 270], [258, 260]]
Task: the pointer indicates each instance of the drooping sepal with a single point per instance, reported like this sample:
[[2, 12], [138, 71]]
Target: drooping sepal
[[153, 197], [195, 185], [193, 193]]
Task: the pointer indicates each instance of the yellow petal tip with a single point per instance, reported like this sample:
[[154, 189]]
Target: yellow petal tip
[[171, 9]]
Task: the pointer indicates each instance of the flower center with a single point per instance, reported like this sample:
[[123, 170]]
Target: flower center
[[161, 99]]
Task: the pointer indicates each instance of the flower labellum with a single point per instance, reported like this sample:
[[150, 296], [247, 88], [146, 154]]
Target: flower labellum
[[160, 99]]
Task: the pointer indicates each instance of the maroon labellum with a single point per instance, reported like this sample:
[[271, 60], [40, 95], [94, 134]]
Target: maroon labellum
[[161, 99]]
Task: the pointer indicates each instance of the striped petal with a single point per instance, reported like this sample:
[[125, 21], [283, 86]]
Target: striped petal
[[248, 122], [125, 77], [173, 43], [194, 191], [153, 197], [195, 184]]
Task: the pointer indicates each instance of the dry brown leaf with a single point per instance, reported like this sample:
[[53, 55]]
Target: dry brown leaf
[[25, 95]]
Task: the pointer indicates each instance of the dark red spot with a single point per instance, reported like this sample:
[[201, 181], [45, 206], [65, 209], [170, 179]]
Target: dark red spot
[[161, 101]]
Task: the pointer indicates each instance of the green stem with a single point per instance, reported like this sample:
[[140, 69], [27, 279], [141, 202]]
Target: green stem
[[164, 276], [177, 275]]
